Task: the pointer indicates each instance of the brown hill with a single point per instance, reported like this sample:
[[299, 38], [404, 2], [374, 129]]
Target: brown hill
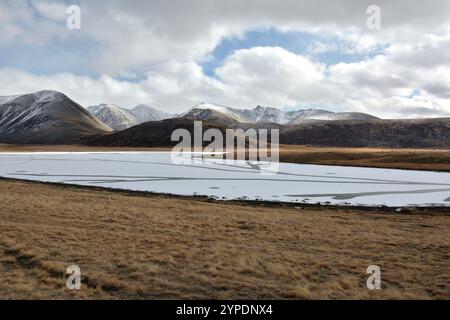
[[346, 133], [372, 133]]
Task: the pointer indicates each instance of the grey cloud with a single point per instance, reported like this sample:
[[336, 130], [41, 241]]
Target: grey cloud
[[167, 39], [136, 34]]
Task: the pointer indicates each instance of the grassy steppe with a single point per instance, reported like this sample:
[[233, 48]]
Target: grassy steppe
[[152, 247], [415, 159]]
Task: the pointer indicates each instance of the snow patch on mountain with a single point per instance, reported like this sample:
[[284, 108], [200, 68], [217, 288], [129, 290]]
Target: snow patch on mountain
[[197, 112], [302, 116], [262, 114], [113, 116], [6, 99], [46, 117], [144, 113], [120, 119]]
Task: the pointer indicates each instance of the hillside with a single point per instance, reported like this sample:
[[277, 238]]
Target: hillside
[[211, 115], [113, 116], [46, 117], [375, 133], [120, 119], [426, 133], [144, 113], [208, 111], [49, 117], [149, 134]]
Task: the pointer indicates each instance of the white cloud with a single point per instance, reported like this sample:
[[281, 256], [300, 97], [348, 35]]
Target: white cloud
[[83, 90], [267, 76], [274, 75], [136, 34], [401, 107], [166, 40], [50, 9], [141, 33]]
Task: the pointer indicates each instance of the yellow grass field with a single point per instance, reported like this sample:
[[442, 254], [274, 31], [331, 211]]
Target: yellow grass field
[[415, 159], [152, 247]]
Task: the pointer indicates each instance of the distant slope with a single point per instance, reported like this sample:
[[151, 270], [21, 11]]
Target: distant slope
[[49, 117], [340, 133], [150, 134], [371, 133], [6, 99], [144, 113], [324, 115], [211, 115], [120, 119], [266, 114], [115, 117], [208, 111], [46, 117]]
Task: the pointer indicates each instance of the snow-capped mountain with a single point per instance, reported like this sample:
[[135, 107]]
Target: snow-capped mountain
[[120, 119], [6, 99], [114, 116], [211, 115], [144, 113], [199, 112], [324, 115], [266, 114], [46, 117]]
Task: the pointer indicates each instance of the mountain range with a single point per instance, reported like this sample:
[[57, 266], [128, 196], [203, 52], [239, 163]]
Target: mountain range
[[50, 117], [419, 133], [208, 111], [119, 118]]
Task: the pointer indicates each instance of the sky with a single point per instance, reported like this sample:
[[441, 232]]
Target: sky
[[287, 54]]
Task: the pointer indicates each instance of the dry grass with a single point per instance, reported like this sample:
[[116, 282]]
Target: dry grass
[[155, 247], [417, 159]]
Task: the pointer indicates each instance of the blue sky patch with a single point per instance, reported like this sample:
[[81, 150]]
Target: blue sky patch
[[293, 41]]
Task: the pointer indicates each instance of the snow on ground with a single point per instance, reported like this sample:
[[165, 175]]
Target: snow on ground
[[229, 179]]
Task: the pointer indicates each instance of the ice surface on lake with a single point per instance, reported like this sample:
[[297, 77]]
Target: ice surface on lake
[[229, 179]]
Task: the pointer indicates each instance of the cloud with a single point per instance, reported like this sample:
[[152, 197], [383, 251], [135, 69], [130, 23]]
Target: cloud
[[274, 75], [401, 107], [399, 71], [268, 76], [84, 90], [136, 34], [261, 75], [50, 9], [151, 52]]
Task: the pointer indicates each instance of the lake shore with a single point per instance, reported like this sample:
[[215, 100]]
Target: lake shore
[[160, 173], [409, 159]]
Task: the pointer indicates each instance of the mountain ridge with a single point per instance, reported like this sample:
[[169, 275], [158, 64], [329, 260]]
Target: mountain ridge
[[46, 117], [262, 114], [120, 118], [50, 117], [423, 133], [114, 116]]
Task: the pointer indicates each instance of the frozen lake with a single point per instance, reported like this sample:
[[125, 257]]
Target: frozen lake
[[229, 179]]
